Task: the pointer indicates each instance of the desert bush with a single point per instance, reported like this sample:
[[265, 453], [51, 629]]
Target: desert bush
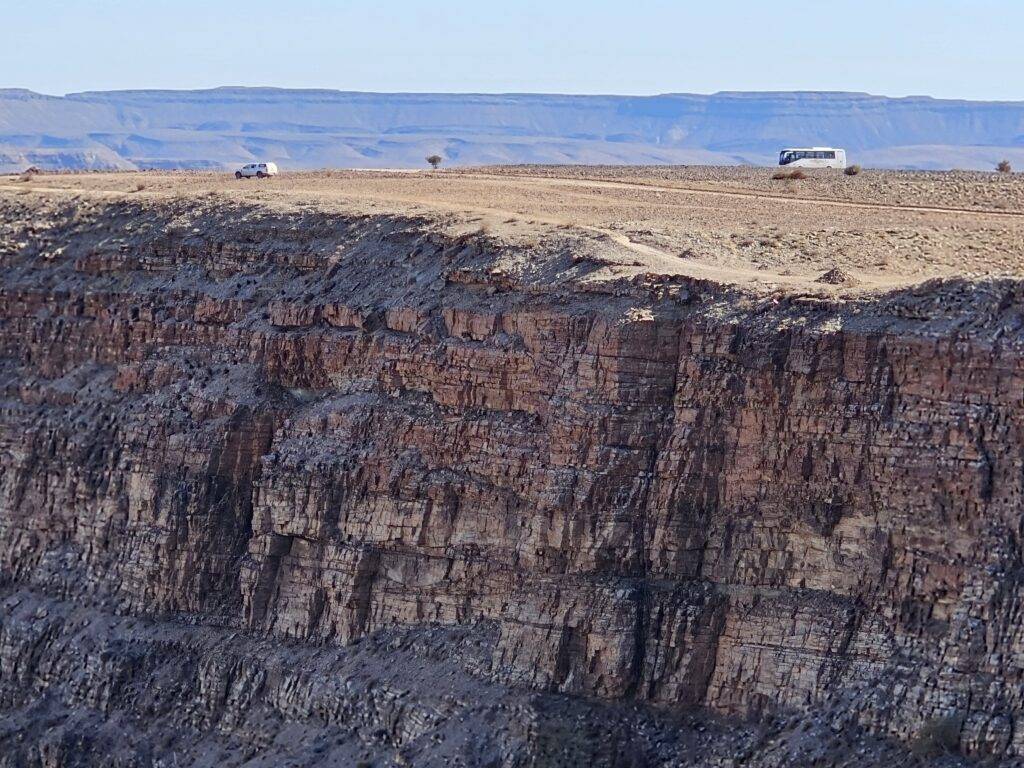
[[794, 174], [139, 187], [435, 161], [28, 173], [1004, 166], [852, 170], [939, 736]]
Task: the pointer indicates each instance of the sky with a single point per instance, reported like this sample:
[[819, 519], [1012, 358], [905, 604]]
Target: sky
[[943, 48]]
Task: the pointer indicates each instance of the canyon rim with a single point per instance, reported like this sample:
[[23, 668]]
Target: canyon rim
[[410, 469]]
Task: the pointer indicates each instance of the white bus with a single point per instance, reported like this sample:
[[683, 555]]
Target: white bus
[[813, 157]]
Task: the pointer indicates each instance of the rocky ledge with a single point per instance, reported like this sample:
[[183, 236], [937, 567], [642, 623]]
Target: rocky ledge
[[284, 485]]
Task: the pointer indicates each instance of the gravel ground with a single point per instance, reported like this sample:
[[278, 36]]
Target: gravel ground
[[949, 189], [829, 234]]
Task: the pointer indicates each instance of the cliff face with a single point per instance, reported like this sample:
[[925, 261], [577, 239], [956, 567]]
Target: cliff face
[[310, 430]]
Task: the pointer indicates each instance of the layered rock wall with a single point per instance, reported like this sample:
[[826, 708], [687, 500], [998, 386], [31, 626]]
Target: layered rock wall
[[316, 429]]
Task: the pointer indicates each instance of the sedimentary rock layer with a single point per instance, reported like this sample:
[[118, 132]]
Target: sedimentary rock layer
[[314, 428]]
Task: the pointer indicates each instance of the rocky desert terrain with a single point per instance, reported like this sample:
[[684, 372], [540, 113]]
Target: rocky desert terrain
[[524, 466]]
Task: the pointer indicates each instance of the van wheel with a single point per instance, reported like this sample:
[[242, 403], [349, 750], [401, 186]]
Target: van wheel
[[260, 175], [238, 174]]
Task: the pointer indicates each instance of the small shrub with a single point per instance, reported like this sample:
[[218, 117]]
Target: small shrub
[[939, 736], [435, 161], [1004, 166], [794, 174], [852, 170], [139, 187], [28, 173]]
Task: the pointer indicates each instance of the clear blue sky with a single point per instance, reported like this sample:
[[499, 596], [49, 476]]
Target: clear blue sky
[[951, 48]]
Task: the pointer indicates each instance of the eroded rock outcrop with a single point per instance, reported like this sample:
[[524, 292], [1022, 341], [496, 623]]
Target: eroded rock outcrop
[[313, 429]]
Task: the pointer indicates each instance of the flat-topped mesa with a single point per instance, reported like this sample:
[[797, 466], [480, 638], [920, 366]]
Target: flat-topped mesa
[[316, 427]]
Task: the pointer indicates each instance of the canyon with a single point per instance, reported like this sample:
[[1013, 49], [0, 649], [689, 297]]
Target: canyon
[[524, 468]]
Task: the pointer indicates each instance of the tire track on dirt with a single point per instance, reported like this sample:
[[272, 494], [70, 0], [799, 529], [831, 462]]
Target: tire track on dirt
[[734, 193]]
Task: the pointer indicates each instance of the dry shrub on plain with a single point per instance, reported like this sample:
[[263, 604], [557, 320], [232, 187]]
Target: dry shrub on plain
[[794, 174]]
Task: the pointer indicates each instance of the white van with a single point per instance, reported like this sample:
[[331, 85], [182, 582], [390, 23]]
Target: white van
[[813, 157], [259, 170]]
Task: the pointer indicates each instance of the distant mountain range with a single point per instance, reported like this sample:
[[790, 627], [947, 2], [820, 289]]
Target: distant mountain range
[[223, 127]]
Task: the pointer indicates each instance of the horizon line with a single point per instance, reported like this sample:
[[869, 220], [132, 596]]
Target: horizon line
[[667, 94]]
